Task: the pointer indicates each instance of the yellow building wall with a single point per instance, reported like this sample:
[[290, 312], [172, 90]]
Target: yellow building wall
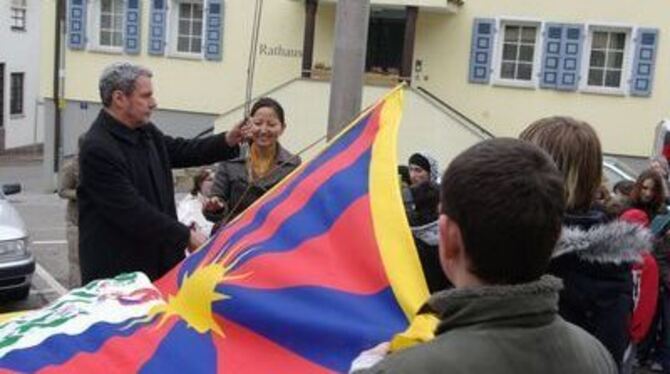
[[201, 85], [625, 124], [47, 47]]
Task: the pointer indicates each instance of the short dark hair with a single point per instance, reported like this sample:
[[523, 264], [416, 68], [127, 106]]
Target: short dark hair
[[267, 102], [508, 198], [624, 187]]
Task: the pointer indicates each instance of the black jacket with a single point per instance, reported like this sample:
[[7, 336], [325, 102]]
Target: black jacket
[[127, 217], [594, 259]]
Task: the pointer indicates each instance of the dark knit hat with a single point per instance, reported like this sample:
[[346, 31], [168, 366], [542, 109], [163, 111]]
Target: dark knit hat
[[420, 161]]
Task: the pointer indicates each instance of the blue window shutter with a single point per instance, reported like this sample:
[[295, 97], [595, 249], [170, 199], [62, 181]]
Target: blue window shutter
[[157, 24], [551, 55], [214, 30], [571, 55], [76, 14], [481, 50], [131, 42], [646, 44]]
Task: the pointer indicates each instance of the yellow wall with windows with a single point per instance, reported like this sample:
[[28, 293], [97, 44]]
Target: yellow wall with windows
[[625, 123], [201, 85]]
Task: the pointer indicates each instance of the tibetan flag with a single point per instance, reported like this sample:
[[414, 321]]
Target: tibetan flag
[[320, 268]]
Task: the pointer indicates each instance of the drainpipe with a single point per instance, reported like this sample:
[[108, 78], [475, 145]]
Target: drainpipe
[[60, 15]]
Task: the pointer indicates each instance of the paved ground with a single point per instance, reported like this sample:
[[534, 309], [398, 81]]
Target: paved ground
[[43, 214]]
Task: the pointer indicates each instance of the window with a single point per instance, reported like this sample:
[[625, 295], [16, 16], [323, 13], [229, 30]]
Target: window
[[518, 52], [111, 24], [18, 15], [189, 27], [16, 94], [606, 58]]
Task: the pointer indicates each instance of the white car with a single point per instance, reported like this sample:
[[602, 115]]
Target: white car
[[17, 264]]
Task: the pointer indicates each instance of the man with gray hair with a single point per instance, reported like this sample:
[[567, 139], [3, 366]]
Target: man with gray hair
[[127, 216]]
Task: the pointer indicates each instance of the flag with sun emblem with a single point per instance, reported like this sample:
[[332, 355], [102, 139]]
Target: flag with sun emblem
[[320, 268]]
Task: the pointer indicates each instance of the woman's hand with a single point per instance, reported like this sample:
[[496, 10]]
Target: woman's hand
[[214, 204]]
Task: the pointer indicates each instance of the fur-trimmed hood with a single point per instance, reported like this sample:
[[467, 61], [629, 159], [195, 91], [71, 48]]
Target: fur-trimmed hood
[[616, 242]]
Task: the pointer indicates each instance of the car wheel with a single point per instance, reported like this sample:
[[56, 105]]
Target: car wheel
[[16, 294]]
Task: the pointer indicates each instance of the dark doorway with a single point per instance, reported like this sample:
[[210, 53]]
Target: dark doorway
[[386, 34], [2, 95]]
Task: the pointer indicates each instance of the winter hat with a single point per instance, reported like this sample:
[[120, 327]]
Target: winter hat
[[635, 216], [427, 163]]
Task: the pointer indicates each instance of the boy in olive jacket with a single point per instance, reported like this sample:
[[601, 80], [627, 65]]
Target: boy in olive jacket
[[502, 205]]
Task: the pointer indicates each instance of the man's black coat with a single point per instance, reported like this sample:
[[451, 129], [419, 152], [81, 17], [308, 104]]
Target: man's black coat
[[127, 217]]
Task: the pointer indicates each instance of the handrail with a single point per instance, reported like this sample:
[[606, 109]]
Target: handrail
[[455, 111], [266, 93]]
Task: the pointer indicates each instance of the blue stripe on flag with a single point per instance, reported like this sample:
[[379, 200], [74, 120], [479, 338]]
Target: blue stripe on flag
[[326, 326], [183, 350]]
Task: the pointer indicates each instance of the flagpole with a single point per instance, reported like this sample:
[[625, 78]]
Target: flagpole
[[251, 68]]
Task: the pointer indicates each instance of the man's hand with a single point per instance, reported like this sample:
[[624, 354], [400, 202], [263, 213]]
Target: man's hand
[[239, 132], [196, 240]]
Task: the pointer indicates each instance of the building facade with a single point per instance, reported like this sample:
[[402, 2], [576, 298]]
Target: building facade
[[476, 67], [19, 73]]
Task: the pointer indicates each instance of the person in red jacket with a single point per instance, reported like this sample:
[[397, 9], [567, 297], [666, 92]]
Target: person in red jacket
[[645, 291]]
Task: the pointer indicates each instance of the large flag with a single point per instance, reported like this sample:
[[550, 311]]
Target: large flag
[[320, 268]]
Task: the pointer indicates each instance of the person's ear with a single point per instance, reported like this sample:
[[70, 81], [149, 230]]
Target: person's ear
[[450, 237], [119, 98], [451, 243]]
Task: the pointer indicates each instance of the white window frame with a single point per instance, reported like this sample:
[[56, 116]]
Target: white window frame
[[498, 46], [93, 31], [20, 6], [172, 30], [628, 54]]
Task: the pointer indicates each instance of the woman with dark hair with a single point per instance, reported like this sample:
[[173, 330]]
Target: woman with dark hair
[[660, 164], [593, 257], [648, 197], [648, 194], [241, 181], [189, 209]]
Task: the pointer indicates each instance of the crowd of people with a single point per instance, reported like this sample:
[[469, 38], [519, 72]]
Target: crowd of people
[[533, 263]]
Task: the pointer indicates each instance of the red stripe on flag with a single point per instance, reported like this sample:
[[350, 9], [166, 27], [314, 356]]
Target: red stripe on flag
[[120, 354], [242, 351], [344, 258]]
